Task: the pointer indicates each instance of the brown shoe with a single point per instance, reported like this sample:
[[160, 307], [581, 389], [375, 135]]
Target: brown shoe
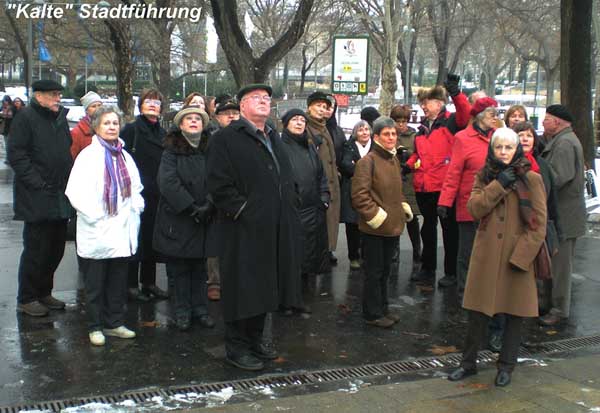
[[214, 292], [34, 309], [52, 303], [382, 322], [395, 317]]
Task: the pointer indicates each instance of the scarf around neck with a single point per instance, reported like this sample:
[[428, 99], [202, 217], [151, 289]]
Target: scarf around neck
[[363, 150], [192, 138], [521, 165], [114, 177]]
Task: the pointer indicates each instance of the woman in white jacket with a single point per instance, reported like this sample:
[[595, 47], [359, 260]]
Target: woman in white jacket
[[105, 189]]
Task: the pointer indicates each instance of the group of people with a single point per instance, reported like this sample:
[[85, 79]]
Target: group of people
[[241, 213]]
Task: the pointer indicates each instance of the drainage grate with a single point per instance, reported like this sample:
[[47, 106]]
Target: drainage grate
[[313, 377]]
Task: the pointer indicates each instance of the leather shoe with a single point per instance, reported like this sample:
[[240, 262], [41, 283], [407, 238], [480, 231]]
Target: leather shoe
[[264, 352], [395, 317], [52, 303], [154, 292], [502, 378], [447, 281], [206, 321], [495, 343], [135, 294], [245, 362], [424, 276], [34, 309], [382, 322], [461, 373], [550, 320]]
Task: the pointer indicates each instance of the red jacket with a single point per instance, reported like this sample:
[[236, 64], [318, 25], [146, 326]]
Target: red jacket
[[468, 157], [433, 147], [81, 135]]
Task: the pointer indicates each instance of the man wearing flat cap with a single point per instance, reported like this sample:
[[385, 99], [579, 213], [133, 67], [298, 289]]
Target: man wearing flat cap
[[318, 104], [39, 153], [251, 184], [564, 153]]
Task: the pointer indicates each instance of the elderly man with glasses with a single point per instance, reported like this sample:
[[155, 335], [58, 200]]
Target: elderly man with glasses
[[251, 183], [39, 153]]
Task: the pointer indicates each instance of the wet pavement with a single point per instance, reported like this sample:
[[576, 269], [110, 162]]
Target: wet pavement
[[50, 358]]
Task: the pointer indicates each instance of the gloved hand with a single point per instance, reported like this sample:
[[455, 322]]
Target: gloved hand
[[407, 211], [442, 211], [451, 84], [507, 177], [406, 170], [200, 213]]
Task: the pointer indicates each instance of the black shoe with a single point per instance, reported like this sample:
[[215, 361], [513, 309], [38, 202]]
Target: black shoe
[[447, 281], [206, 321], [245, 362], [461, 373], [424, 276], [502, 378], [136, 295], [264, 352], [154, 292], [183, 322], [332, 259], [495, 343]]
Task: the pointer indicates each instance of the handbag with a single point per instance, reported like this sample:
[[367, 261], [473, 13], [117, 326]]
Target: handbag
[[542, 265]]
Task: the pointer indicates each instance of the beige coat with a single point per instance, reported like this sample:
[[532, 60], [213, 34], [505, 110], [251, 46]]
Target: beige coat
[[501, 277], [327, 155], [377, 193]]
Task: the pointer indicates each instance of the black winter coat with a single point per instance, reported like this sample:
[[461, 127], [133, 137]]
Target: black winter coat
[[144, 141], [314, 194], [350, 156], [39, 152], [182, 182], [260, 228]]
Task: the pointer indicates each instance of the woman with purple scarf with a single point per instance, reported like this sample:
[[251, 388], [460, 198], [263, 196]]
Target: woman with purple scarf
[[105, 189]]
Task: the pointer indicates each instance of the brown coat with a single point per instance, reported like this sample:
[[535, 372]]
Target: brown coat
[[377, 183], [320, 136], [501, 278]]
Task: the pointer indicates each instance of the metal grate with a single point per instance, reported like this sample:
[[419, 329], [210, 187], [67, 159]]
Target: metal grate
[[312, 377]]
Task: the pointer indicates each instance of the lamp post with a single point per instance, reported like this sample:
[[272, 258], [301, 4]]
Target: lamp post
[[408, 30]]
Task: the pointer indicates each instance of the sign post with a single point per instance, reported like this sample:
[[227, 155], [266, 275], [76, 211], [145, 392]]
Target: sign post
[[350, 68]]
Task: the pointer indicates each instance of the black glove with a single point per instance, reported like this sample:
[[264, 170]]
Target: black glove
[[507, 177], [200, 213], [442, 212], [404, 156], [406, 170], [451, 84]]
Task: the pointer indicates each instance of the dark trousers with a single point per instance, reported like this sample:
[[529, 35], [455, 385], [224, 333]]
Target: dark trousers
[[466, 238], [242, 335], [353, 241], [43, 249], [477, 329], [413, 230], [378, 253], [189, 281], [105, 292], [146, 270], [427, 202]]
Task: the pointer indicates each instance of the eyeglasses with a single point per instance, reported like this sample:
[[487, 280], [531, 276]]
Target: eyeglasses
[[258, 98], [154, 102]]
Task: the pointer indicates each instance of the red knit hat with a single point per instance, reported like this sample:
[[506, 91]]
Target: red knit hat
[[482, 104]]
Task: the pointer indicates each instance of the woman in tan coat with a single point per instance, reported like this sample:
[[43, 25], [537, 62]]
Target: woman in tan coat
[[509, 200]]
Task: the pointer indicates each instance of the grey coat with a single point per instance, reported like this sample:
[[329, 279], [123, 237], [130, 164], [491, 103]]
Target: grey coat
[[565, 156]]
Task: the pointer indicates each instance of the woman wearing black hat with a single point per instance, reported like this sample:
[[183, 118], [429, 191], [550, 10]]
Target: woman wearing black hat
[[313, 189]]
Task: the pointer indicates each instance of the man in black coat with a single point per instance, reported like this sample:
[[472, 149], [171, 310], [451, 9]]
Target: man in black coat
[[251, 183], [39, 153]]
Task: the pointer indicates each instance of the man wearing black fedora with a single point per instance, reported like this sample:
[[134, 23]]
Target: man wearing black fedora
[[564, 153], [39, 153]]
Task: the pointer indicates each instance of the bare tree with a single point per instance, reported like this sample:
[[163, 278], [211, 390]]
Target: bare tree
[[247, 68], [576, 65]]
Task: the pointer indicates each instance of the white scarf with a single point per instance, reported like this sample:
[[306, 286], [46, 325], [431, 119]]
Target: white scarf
[[363, 150]]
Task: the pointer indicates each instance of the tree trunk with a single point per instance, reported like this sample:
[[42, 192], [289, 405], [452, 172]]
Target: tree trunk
[[120, 37], [244, 66], [286, 74], [164, 65], [388, 85], [575, 69]]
